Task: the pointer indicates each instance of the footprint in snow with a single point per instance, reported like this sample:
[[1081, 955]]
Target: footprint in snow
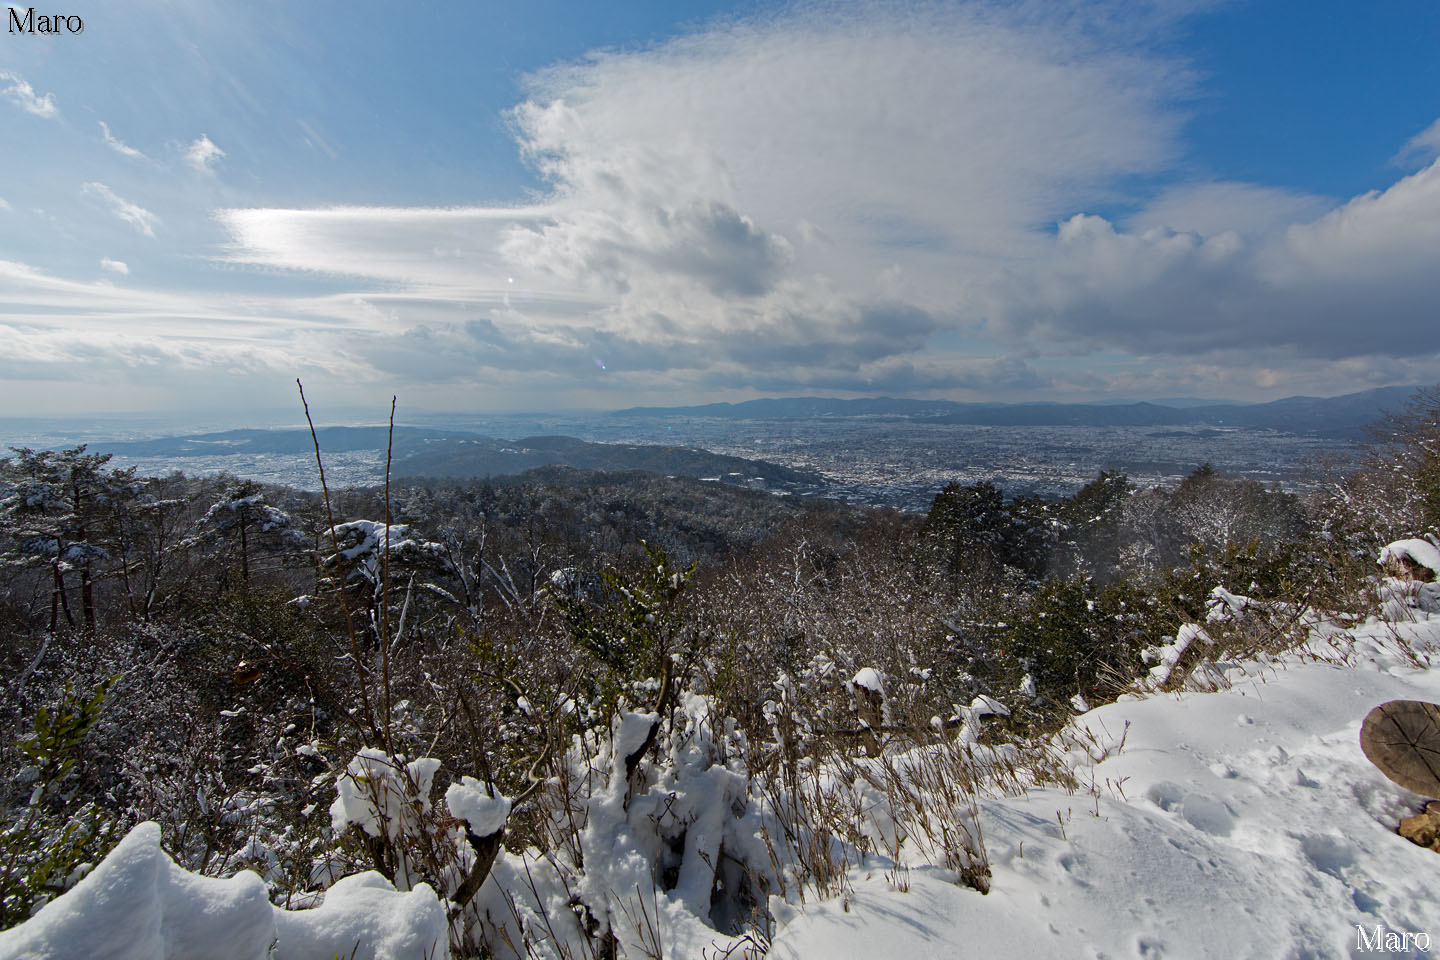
[[1207, 814], [1165, 794], [1151, 948], [1202, 812], [1328, 854]]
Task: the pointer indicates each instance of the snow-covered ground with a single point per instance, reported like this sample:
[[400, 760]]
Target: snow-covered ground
[[1238, 823], [1243, 823]]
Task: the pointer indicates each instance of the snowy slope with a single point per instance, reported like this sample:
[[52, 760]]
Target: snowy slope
[[1244, 823], [1241, 823]]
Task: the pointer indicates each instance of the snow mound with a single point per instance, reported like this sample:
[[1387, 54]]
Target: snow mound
[[139, 905], [1420, 552], [364, 917]]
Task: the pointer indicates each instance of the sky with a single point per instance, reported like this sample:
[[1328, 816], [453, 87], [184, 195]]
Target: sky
[[485, 207]]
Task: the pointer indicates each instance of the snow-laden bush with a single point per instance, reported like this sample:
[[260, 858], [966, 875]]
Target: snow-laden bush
[[655, 845], [388, 801], [652, 839], [365, 544], [1418, 588]]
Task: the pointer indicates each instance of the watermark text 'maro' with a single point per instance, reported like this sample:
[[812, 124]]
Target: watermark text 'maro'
[[52, 23]]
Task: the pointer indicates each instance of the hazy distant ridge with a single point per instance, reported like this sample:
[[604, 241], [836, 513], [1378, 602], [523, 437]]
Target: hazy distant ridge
[[1342, 415]]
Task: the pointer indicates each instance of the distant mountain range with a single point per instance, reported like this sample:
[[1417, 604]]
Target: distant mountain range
[[433, 452], [476, 458], [1346, 415]]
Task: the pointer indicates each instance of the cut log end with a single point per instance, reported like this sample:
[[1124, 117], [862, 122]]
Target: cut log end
[[1402, 739]]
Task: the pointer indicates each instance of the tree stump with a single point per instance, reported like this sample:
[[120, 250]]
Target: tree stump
[[1402, 738]]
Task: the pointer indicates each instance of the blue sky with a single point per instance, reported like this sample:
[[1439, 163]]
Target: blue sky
[[480, 206]]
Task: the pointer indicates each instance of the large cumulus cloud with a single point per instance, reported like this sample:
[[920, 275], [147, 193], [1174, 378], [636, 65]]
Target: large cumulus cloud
[[796, 198], [1363, 279]]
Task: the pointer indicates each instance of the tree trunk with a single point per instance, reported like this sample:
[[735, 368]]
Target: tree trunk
[[244, 553], [87, 598], [58, 601]]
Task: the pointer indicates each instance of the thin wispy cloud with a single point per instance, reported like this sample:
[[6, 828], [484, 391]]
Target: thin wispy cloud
[[115, 266], [319, 142], [210, 347], [1424, 146], [202, 155], [138, 217], [14, 88], [118, 145], [5, 205], [1209, 208]]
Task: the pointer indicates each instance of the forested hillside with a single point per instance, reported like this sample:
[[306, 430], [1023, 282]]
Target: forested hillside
[[614, 681]]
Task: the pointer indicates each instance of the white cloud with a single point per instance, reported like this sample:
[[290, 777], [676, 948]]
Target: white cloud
[[1424, 146], [1213, 208], [456, 249], [138, 217], [24, 95], [837, 198], [814, 190], [5, 205], [202, 155], [1361, 280], [119, 146], [115, 266], [94, 329]]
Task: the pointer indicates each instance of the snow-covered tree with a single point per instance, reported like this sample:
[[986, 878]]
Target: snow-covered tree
[[53, 505], [242, 512]]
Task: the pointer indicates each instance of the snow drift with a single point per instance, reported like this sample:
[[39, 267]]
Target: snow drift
[[138, 905]]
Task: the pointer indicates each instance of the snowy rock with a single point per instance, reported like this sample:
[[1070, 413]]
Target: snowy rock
[[969, 717], [983, 706], [1224, 606], [1170, 654], [1399, 598]]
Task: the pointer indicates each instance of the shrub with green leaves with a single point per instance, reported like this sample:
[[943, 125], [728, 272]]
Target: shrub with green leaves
[[633, 625], [1075, 636], [49, 842]]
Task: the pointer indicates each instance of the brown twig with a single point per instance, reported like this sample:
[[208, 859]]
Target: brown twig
[[369, 715]]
